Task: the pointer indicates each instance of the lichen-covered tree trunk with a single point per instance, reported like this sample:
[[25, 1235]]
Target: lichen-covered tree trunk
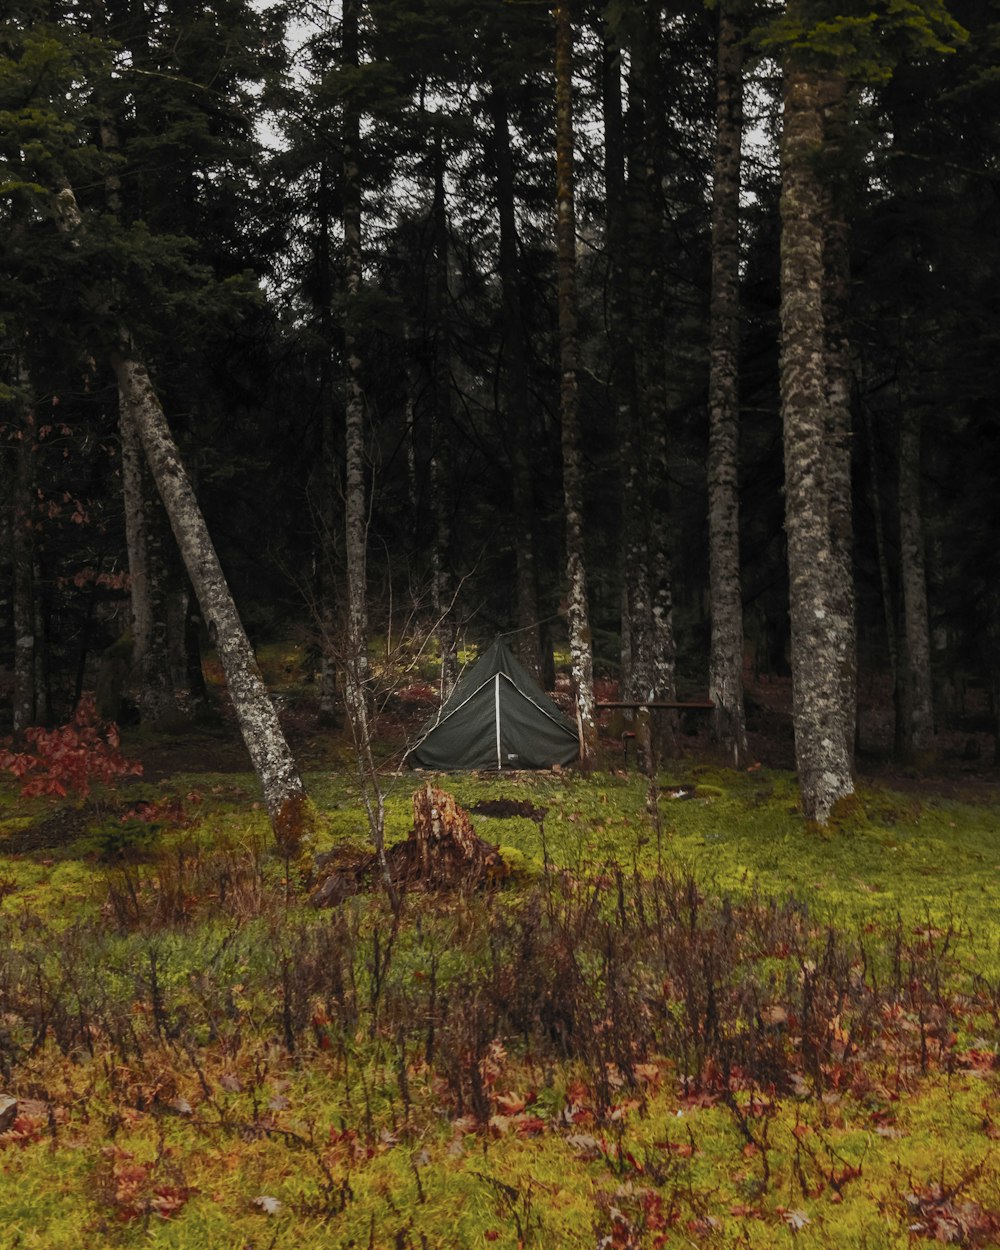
[[818, 642], [839, 391], [918, 711], [284, 793], [517, 398], [581, 648], [725, 674]]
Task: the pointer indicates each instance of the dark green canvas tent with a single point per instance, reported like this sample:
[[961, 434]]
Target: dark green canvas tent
[[497, 717]]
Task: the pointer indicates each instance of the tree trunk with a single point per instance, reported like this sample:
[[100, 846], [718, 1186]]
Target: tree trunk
[[355, 489], [725, 680], [839, 392], [326, 475], [284, 794], [918, 723], [443, 589], [646, 147], [517, 397], [818, 641], [580, 642]]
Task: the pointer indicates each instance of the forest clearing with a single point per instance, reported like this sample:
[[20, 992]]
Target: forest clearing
[[655, 342], [733, 1029]]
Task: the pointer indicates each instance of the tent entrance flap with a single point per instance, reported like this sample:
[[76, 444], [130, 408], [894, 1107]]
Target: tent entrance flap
[[497, 717]]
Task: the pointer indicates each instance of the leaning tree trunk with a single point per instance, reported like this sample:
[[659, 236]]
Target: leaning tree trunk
[[580, 642], [284, 794], [818, 644], [725, 680]]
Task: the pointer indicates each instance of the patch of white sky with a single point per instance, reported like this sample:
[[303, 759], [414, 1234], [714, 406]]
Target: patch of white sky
[[312, 30]]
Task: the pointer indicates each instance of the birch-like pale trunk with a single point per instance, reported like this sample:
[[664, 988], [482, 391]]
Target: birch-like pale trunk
[[918, 709], [517, 398], [725, 672], [580, 642], [839, 392], [283, 791], [821, 734], [284, 794]]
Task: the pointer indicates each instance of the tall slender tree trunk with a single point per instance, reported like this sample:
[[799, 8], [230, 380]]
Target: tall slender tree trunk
[[327, 477], [725, 679], [355, 487], [580, 642], [517, 398], [443, 588], [918, 711], [822, 735], [839, 392], [653, 380]]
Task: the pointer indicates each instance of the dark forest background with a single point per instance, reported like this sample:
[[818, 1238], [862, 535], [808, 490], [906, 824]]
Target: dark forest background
[[208, 146]]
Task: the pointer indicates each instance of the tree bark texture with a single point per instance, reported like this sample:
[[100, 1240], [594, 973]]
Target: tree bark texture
[[918, 711], [581, 646], [355, 486], [284, 794], [517, 396], [819, 643], [725, 680], [839, 390], [326, 472]]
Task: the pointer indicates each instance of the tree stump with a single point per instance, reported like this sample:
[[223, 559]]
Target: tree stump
[[444, 848], [443, 851]]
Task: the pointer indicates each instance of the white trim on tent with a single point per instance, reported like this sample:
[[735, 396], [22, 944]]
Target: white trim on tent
[[496, 690]]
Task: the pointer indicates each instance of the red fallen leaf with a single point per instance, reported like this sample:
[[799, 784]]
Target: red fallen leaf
[[528, 1125], [742, 1211], [683, 1149], [492, 1234], [749, 1150]]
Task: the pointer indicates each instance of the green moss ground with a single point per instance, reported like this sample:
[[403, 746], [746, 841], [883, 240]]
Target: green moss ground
[[325, 1131]]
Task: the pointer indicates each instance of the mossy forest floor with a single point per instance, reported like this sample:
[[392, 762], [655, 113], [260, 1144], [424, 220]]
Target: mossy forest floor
[[729, 1030]]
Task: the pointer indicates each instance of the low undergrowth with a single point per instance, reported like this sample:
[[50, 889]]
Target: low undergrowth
[[725, 1031], [602, 1055]]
